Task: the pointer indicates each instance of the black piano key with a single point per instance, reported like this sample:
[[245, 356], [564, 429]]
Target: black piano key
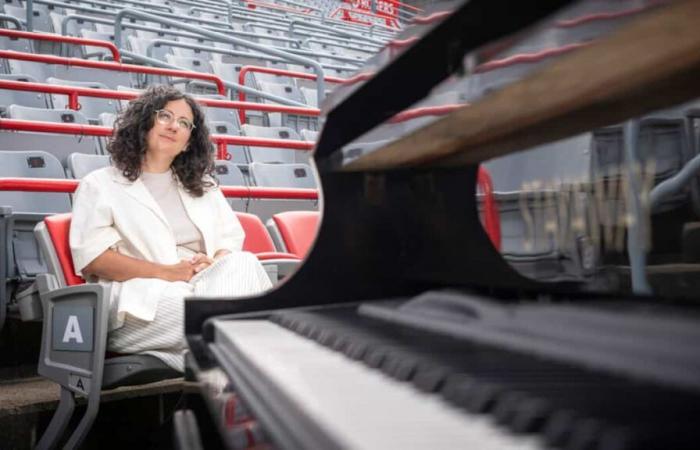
[[430, 379], [355, 350], [570, 406]]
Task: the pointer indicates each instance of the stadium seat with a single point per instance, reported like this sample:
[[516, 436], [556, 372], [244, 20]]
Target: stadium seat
[[59, 146], [91, 52], [294, 121], [258, 241], [294, 231], [267, 154], [46, 115], [20, 213], [216, 114], [90, 107], [281, 176], [9, 97], [79, 366], [310, 135], [41, 20], [80, 164], [229, 174]]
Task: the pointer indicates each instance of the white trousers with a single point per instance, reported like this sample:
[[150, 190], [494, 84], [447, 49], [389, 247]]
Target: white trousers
[[238, 274]]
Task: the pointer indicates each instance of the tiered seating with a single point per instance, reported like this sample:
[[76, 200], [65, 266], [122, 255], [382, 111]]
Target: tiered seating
[[60, 155]]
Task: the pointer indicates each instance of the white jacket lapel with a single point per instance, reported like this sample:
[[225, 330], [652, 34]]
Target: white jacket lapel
[[139, 192]]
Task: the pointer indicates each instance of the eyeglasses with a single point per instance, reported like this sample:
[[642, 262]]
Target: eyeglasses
[[165, 117]]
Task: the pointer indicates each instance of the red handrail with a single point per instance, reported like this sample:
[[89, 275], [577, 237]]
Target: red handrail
[[273, 71], [69, 187], [434, 17], [65, 39], [74, 92], [529, 57], [492, 221], [114, 66], [96, 130]]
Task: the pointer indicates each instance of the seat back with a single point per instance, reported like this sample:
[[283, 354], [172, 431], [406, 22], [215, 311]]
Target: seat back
[[269, 154], [32, 164], [283, 175], [46, 115], [52, 235], [90, 107], [229, 174], [9, 97], [257, 238], [297, 230], [81, 164]]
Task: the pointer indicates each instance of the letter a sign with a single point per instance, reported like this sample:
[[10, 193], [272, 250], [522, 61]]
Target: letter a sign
[[73, 331], [72, 328]]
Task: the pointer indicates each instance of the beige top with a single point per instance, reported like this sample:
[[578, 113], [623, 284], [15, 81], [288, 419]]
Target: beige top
[[163, 188]]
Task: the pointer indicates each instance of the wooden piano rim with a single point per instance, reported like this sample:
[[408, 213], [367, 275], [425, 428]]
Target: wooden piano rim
[[651, 63]]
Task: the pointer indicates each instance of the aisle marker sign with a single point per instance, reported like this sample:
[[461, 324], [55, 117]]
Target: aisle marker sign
[[72, 328]]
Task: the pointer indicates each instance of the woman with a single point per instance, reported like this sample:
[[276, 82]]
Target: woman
[[153, 220]]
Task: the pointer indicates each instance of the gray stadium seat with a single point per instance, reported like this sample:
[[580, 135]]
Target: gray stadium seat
[[140, 45], [80, 164], [281, 176], [229, 174], [214, 114], [59, 145], [310, 135], [90, 51], [238, 154], [41, 20], [23, 260], [39, 72], [23, 98], [91, 107], [46, 115], [294, 121], [192, 65], [269, 154]]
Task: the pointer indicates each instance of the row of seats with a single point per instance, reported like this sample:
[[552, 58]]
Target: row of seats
[[62, 289], [220, 121], [276, 231]]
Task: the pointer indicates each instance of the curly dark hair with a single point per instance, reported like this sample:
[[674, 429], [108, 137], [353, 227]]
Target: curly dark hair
[[194, 168]]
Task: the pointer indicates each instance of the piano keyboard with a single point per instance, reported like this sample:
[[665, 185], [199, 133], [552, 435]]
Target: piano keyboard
[[356, 406], [368, 382]]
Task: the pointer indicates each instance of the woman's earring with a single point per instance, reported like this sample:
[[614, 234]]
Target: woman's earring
[[187, 147]]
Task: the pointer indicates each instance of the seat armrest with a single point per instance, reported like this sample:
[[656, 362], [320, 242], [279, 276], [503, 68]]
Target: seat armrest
[[74, 336]]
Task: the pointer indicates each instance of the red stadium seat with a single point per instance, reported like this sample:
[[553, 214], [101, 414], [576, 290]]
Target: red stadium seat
[[297, 230]]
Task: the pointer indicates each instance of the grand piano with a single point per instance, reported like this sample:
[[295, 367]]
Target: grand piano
[[572, 321]]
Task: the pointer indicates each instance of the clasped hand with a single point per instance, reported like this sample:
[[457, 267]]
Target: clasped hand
[[187, 268]]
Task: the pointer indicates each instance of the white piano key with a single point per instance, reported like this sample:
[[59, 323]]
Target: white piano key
[[361, 408]]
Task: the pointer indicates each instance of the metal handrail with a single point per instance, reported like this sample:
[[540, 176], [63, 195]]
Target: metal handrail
[[65, 39], [273, 71], [114, 66], [220, 140], [69, 186], [234, 86], [347, 34], [306, 42], [6, 18], [223, 51], [261, 48], [75, 92]]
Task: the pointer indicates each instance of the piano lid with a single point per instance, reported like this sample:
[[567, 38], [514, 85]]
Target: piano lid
[[405, 217]]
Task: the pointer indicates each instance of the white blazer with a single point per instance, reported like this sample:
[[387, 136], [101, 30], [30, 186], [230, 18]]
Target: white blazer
[[109, 211]]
